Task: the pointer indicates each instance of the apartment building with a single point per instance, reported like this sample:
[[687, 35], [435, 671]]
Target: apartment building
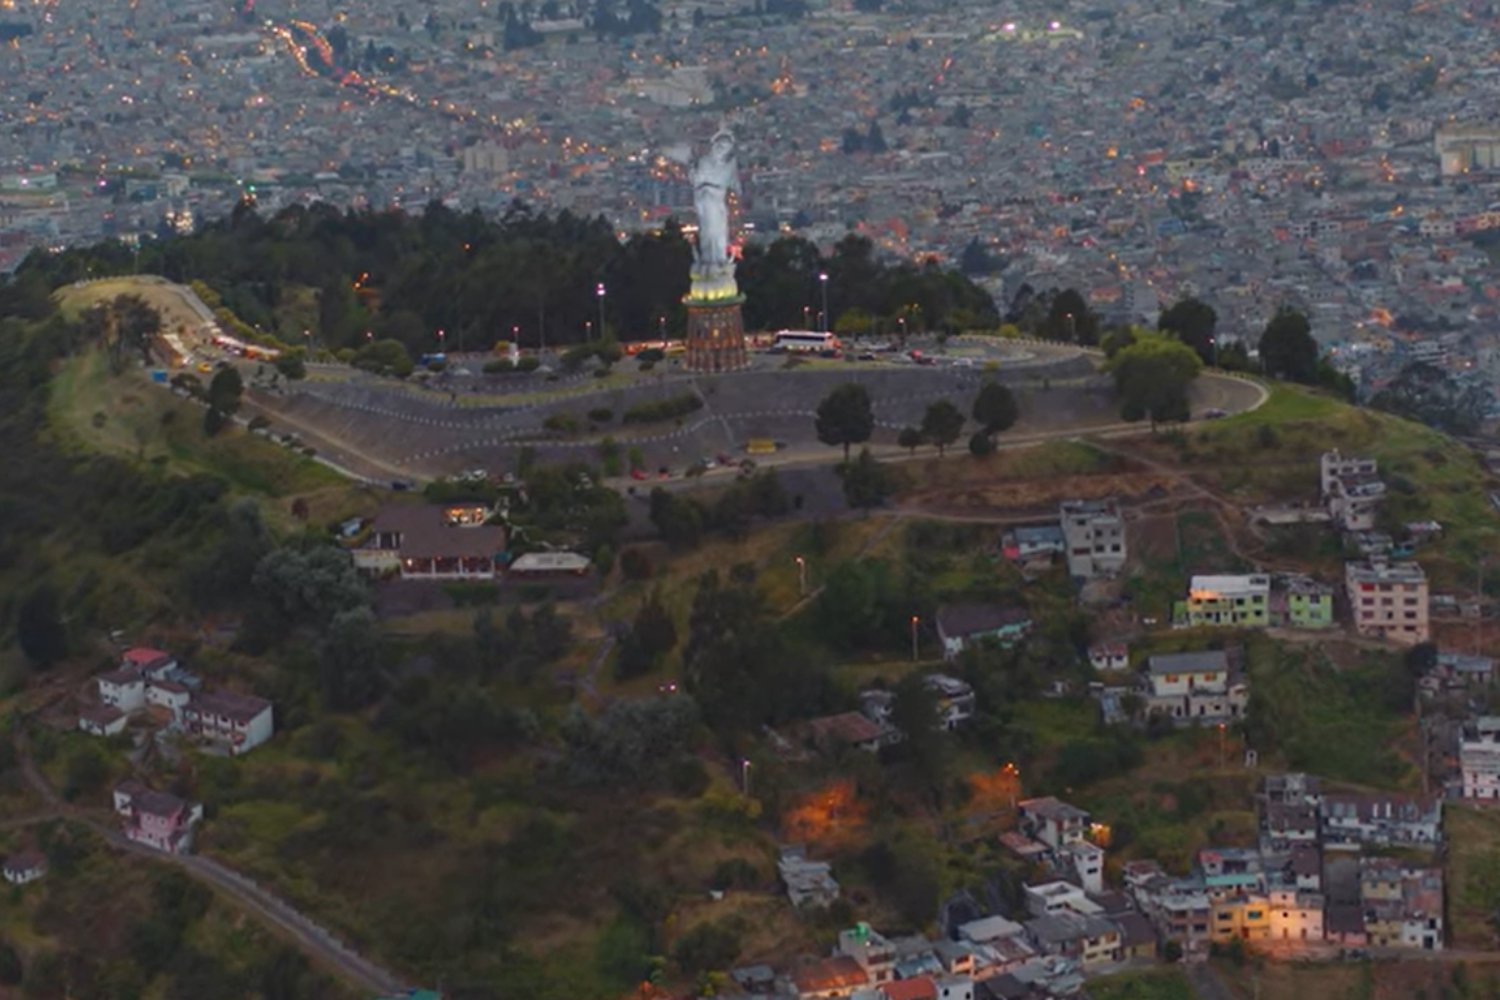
[[1352, 490], [1388, 600], [1095, 535]]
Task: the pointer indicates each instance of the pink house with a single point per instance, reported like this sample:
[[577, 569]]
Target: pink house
[[158, 820]]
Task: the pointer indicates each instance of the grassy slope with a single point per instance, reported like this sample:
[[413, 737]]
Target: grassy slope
[[91, 909], [1473, 874], [1156, 984], [1429, 475]]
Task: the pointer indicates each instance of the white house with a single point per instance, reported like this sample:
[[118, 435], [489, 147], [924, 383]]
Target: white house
[[27, 866], [124, 689], [171, 695], [1196, 687], [102, 720], [1479, 758], [240, 722], [1087, 862], [1053, 822]]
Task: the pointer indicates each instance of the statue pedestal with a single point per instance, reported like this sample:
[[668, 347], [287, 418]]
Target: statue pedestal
[[715, 328]]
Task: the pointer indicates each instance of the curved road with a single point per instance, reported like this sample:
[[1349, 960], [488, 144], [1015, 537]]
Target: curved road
[[312, 939]]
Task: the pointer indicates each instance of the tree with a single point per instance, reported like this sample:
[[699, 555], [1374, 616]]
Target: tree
[[1152, 377], [679, 520], [225, 389], [866, 482], [11, 970], [942, 424], [292, 363], [845, 417], [1287, 347], [1069, 318], [349, 661], [310, 585], [1193, 322], [995, 408], [914, 711], [39, 627], [910, 438], [654, 628], [981, 445]]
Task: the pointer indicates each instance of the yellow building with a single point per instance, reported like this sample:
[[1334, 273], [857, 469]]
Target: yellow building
[[1245, 917]]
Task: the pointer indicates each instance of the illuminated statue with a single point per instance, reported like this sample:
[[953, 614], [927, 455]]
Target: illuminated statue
[[714, 175]]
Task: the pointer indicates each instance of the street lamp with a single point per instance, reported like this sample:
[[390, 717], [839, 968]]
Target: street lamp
[[1072, 327], [588, 329], [914, 620], [441, 334], [599, 291], [823, 281], [745, 776], [807, 317], [802, 576]]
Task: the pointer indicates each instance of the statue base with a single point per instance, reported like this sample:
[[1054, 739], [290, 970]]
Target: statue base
[[715, 334]]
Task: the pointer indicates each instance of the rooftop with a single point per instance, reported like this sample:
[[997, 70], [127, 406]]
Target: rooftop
[[1199, 661]]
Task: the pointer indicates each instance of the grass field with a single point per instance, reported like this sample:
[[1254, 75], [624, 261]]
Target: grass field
[[133, 418], [1434, 980], [1473, 874], [1154, 984], [1271, 455]]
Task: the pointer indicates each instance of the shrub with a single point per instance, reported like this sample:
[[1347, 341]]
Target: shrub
[[980, 445], [651, 354], [530, 363], [601, 415], [635, 564], [499, 365], [259, 422], [1266, 436], [663, 409], [564, 423]]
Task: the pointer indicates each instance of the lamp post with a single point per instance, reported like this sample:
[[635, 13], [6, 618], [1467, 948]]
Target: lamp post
[[441, 334], [807, 317], [914, 620], [588, 329], [823, 281], [1072, 327], [802, 576], [745, 776], [599, 291]]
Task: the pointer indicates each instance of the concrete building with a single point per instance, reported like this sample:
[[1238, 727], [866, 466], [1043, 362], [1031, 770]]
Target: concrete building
[[1479, 758], [1388, 600], [1232, 601], [1197, 688], [1095, 535]]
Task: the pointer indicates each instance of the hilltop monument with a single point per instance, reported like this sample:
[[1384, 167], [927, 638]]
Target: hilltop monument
[[715, 327]]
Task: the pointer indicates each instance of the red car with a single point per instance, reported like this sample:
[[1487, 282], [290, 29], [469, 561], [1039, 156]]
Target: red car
[[638, 474]]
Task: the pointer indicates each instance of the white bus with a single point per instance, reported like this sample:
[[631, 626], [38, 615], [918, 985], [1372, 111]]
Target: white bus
[[805, 342]]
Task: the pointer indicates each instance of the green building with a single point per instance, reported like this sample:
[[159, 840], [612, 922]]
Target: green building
[[1305, 603]]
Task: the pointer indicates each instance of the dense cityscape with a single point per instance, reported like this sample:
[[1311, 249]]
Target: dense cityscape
[[768, 499]]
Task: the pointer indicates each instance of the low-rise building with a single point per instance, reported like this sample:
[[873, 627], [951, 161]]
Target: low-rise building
[[962, 625], [27, 866], [1479, 758], [1095, 535], [1302, 602], [238, 722], [431, 542], [829, 978], [1382, 819], [875, 955], [102, 720], [1242, 601], [954, 697], [1197, 688], [1027, 542], [1053, 822], [156, 819], [808, 883], [1090, 941], [1388, 600]]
